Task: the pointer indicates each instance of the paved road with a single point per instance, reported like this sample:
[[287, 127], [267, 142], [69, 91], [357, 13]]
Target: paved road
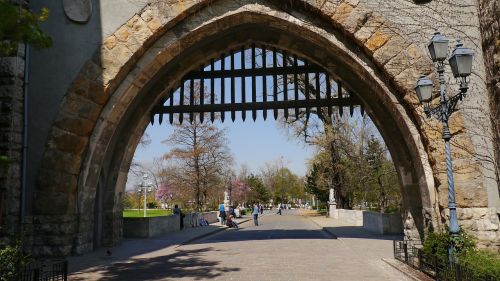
[[288, 247]]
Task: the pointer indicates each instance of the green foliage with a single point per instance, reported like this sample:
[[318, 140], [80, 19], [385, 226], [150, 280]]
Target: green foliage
[[12, 259], [313, 183], [437, 243], [149, 213], [482, 263], [259, 192], [4, 162], [20, 25]]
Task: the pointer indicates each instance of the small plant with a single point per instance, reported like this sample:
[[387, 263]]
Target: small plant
[[437, 243], [482, 264], [12, 260]]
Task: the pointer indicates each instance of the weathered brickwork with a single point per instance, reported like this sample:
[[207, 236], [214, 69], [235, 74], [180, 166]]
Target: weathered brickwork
[[89, 144], [11, 126]]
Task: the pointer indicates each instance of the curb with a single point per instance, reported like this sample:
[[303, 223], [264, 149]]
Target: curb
[[204, 235], [325, 229], [407, 270]]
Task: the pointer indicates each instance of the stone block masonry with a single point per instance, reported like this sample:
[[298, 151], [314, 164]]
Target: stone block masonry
[[11, 141]]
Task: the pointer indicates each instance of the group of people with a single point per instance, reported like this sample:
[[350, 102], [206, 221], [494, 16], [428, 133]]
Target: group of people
[[227, 218]]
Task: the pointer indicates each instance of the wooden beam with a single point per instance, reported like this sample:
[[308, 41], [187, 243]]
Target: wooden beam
[[257, 105]]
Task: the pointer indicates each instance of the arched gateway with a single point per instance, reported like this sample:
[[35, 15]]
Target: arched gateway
[[108, 106]]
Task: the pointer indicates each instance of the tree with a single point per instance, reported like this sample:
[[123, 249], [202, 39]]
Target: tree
[[314, 185], [258, 192], [20, 25], [201, 156]]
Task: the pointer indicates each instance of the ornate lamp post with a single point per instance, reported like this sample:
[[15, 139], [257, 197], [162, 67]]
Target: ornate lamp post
[[145, 185], [461, 66]]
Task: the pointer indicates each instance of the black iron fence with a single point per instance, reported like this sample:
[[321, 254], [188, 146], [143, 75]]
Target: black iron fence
[[439, 269], [45, 271]]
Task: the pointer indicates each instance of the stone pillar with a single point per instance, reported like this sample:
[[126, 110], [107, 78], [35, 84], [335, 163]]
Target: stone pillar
[[11, 141]]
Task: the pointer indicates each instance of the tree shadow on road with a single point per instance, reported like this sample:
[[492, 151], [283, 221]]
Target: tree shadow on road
[[359, 232], [186, 263]]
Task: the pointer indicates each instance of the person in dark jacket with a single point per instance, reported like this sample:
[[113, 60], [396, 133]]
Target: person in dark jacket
[[178, 211]]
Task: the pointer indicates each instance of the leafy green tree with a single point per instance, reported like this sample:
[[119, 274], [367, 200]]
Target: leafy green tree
[[12, 258], [313, 183], [382, 174], [258, 191], [20, 25]]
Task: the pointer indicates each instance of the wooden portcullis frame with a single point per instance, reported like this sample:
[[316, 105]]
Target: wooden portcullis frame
[[275, 79]]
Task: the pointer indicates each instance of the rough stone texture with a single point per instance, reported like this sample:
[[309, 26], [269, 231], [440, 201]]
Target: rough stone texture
[[11, 122], [489, 19], [384, 34]]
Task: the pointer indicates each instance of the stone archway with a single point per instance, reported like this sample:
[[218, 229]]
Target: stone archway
[[104, 113]]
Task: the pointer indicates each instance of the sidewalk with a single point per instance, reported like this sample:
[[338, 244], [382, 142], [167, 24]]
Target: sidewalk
[[89, 266], [369, 246]]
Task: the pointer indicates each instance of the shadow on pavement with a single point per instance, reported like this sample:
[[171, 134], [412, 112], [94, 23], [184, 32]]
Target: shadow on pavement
[[236, 235], [188, 264], [359, 232]]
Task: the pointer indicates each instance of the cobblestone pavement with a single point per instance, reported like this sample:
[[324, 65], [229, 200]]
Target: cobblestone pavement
[[287, 247]]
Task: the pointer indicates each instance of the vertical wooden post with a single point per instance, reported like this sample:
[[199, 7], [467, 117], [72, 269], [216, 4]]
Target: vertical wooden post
[[296, 85], [318, 93], [243, 86], [171, 115], [223, 88], [275, 82], [264, 81], [285, 83], [306, 90], [233, 113], [191, 98], [212, 91], [254, 87], [328, 94], [202, 96]]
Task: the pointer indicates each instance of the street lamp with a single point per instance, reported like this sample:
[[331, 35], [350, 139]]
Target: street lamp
[[145, 186], [461, 66]]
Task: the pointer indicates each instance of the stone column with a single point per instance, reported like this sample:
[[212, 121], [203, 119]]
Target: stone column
[[11, 131]]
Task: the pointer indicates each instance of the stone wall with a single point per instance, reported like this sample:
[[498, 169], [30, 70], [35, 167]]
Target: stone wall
[[154, 226], [104, 108], [11, 137], [489, 19]]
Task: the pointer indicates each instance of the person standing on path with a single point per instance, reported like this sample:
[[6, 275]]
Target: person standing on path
[[178, 211], [255, 214], [222, 214], [261, 209], [279, 209]]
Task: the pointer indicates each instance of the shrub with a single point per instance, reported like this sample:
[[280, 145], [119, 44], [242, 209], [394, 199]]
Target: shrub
[[437, 243], [12, 259], [482, 263]]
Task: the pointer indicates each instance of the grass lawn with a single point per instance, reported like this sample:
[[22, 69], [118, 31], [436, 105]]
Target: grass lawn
[[150, 213]]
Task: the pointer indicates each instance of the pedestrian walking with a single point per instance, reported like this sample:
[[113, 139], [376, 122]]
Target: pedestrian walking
[[279, 209], [261, 209], [255, 214], [222, 214], [178, 211]]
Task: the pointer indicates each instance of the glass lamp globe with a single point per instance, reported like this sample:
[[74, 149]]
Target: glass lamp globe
[[461, 61], [438, 47], [424, 89]]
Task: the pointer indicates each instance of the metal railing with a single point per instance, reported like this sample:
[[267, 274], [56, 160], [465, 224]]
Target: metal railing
[[439, 269], [45, 271]]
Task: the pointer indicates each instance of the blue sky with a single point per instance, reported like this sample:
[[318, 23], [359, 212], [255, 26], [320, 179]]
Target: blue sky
[[251, 143]]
